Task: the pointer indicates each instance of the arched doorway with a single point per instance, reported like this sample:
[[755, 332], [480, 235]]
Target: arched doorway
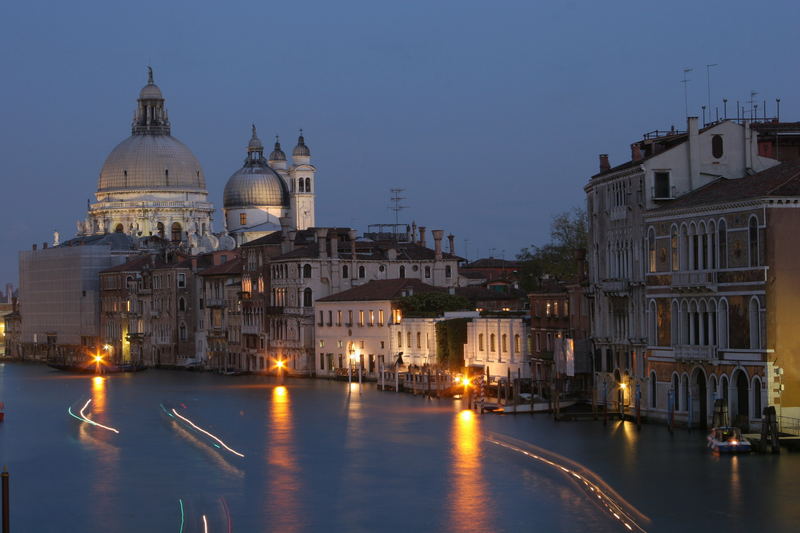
[[742, 398], [701, 399]]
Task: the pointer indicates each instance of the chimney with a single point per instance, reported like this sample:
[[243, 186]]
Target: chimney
[[194, 263], [284, 234], [291, 236], [34, 247], [451, 239], [322, 243], [334, 245], [14, 304], [636, 152], [44, 246], [694, 152], [422, 236], [352, 234], [437, 242], [413, 231], [604, 164]]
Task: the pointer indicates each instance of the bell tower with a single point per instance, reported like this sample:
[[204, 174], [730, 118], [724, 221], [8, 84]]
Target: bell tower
[[303, 188]]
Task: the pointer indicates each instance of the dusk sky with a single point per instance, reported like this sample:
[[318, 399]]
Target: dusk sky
[[490, 114]]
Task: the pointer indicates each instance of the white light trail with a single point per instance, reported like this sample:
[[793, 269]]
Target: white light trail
[[84, 418], [198, 428]]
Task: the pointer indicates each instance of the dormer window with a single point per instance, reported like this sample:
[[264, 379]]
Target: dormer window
[[661, 187]]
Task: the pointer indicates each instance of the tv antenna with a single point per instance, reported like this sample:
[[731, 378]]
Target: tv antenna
[[685, 81], [397, 206], [752, 101], [708, 85]]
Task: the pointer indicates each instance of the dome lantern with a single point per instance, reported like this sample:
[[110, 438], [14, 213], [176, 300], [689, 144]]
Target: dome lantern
[[151, 116], [301, 150]]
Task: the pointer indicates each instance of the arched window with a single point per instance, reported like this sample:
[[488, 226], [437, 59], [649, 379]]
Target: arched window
[[308, 184], [402, 271], [419, 340], [712, 246], [716, 146], [480, 342], [301, 185], [181, 304], [408, 338], [119, 228], [345, 271], [362, 272], [756, 397], [724, 388], [755, 323], [160, 229], [517, 344], [685, 393], [722, 245], [722, 324], [653, 385], [491, 343], [504, 343], [652, 328], [684, 248], [674, 324], [676, 387], [673, 243], [651, 250], [176, 232], [182, 332], [307, 299], [753, 241], [306, 271]]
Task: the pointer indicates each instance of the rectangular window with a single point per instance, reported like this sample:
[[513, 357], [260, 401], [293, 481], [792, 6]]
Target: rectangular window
[[380, 317], [350, 318], [243, 219], [338, 318], [371, 317], [661, 187], [181, 281], [322, 343], [361, 318], [330, 318], [320, 318]]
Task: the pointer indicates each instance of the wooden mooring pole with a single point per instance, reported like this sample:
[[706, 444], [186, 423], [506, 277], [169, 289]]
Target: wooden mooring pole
[[6, 506]]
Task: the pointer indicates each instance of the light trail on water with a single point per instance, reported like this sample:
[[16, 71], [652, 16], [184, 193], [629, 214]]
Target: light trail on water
[[205, 524], [198, 428], [607, 497], [84, 418], [180, 503]]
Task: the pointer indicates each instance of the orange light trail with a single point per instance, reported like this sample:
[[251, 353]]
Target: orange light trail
[[606, 495], [198, 428], [84, 418]]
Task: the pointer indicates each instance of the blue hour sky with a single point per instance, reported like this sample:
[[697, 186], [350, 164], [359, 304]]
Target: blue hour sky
[[489, 114]]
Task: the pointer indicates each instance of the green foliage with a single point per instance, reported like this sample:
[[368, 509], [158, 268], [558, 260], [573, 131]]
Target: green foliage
[[450, 338], [431, 304], [556, 259]]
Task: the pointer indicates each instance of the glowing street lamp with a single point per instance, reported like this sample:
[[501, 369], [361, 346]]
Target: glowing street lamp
[[280, 364]]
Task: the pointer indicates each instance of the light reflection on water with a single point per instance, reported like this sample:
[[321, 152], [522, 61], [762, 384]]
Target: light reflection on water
[[469, 501], [106, 454], [283, 498]]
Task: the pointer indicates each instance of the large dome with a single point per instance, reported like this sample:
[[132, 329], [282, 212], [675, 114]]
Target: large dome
[[151, 162], [255, 186]]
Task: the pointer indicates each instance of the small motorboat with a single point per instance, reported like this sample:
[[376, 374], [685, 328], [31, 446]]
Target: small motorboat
[[728, 439]]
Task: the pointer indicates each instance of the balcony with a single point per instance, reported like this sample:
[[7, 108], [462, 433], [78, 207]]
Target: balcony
[[615, 287], [694, 353], [694, 281], [619, 212]]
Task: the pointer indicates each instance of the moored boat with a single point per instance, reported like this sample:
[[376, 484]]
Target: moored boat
[[728, 439], [96, 368]]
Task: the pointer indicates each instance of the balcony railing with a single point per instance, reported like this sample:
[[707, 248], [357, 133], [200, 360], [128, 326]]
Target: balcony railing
[[690, 352], [694, 280]]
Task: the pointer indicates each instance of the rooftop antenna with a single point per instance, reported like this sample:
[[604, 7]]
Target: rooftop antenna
[[466, 249], [685, 81], [708, 85], [397, 206], [752, 101]]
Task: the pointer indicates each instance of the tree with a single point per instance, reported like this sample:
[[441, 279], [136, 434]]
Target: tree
[[431, 304], [451, 335], [556, 259]]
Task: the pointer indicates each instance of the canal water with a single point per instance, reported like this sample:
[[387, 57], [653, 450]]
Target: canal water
[[248, 455]]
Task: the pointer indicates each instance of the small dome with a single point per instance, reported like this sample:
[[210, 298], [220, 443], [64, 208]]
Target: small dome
[[255, 186], [151, 162], [255, 144], [301, 150], [150, 92], [277, 154]]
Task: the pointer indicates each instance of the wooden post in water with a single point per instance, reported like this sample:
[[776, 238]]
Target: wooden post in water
[[6, 506]]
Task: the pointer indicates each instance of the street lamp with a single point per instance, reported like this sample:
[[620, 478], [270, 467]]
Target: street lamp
[[279, 365]]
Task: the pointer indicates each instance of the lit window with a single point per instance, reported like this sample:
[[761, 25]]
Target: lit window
[[242, 219]]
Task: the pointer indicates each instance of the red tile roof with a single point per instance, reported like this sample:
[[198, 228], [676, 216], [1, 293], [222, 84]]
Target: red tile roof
[[232, 267], [383, 289]]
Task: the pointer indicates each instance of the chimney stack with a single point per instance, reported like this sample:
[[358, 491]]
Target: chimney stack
[[636, 152], [334, 238], [437, 243], [34, 247], [14, 304], [451, 239], [284, 234], [322, 243], [292, 235], [422, 236], [352, 234], [604, 164]]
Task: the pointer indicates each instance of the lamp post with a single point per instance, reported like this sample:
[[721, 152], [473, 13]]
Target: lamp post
[[279, 365]]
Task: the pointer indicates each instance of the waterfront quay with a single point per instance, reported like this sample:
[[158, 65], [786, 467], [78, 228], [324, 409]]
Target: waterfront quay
[[328, 455]]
